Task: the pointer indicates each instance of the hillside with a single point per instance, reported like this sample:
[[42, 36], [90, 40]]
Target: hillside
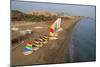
[[34, 16]]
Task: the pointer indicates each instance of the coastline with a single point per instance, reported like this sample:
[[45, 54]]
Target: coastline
[[82, 42], [69, 34]]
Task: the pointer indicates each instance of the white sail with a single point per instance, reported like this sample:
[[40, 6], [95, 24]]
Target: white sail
[[55, 28]]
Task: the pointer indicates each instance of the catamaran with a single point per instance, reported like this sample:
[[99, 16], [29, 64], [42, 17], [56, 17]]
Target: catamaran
[[55, 28]]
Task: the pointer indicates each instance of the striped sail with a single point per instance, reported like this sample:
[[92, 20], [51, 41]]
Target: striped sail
[[55, 26], [28, 47]]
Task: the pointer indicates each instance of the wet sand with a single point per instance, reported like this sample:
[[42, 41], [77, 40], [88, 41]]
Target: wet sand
[[56, 51]]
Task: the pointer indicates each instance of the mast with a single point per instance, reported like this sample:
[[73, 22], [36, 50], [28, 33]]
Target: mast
[[54, 28]]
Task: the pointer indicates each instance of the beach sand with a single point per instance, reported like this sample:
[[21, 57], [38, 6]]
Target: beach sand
[[56, 51]]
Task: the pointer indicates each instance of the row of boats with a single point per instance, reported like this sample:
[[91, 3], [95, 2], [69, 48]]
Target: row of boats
[[35, 45]]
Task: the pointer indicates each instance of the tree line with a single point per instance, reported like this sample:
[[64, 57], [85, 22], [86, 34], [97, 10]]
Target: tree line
[[19, 16]]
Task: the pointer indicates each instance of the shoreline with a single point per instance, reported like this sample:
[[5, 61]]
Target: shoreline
[[70, 30], [78, 52], [69, 44]]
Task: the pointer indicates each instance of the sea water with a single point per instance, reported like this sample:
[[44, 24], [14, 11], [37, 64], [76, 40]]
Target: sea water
[[83, 41]]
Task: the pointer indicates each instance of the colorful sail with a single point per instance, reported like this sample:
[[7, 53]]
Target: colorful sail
[[55, 27], [28, 48]]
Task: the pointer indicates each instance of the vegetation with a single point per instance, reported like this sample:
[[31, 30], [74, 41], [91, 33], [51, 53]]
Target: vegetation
[[19, 16]]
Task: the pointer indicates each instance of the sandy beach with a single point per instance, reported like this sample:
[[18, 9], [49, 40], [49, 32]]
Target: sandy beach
[[56, 51]]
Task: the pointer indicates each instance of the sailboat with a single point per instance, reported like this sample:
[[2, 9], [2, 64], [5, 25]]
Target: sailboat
[[54, 29], [35, 45], [28, 48]]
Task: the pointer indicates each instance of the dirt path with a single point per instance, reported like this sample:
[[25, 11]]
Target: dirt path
[[56, 51]]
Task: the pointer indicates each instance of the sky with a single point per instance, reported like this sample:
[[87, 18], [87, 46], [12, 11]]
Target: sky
[[67, 9]]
